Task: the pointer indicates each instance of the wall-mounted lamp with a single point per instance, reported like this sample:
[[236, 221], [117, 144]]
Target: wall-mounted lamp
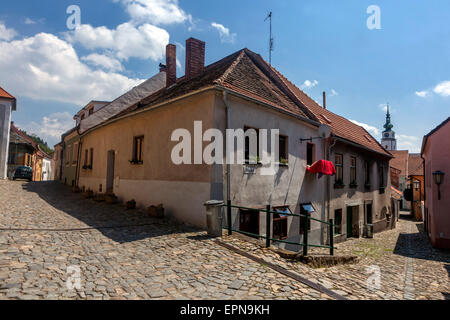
[[416, 184], [438, 177]]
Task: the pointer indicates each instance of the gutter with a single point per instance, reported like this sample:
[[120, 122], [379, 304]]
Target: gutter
[[362, 147], [228, 126]]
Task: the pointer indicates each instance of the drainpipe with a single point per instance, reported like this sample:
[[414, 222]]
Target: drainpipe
[[328, 153], [228, 126], [424, 195]]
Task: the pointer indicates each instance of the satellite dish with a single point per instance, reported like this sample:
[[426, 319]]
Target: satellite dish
[[324, 131]]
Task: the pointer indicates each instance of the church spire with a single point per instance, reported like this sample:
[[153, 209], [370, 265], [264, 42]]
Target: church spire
[[388, 125]]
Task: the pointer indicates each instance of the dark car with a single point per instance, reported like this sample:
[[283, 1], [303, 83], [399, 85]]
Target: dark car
[[23, 172]]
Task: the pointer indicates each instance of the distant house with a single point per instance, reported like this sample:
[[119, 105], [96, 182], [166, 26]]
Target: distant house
[[23, 151], [400, 170], [436, 153], [128, 153], [416, 181], [7, 105]]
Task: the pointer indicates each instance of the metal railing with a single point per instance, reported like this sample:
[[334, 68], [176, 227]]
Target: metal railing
[[305, 228]]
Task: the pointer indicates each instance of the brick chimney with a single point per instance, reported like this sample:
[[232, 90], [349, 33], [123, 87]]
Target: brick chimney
[[171, 64], [195, 57]]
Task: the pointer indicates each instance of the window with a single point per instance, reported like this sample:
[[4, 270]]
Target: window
[[338, 221], [74, 156], [366, 173], [137, 150], [283, 149], [381, 176], [306, 209], [353, 170], [68, 154], [280, 222], [91, 163], [86, 154], [83, 116], [381, 168], [310, 153], [339, 161], [91, 111], [250, 135]]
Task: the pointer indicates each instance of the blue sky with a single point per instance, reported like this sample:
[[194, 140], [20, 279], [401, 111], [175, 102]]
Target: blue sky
[[321, 45]]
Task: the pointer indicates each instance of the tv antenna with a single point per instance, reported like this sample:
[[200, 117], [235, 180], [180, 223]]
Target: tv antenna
[[269, 17]]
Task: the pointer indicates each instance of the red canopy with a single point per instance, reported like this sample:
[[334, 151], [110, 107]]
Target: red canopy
[[322, 167]]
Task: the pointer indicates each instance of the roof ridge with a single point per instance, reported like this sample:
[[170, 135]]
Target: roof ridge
[[230, 69]]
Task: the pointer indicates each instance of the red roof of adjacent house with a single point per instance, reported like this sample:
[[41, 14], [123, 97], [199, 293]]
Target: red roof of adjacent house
[[397, 194], [400, 161], [415, 165], [5, 94], [247, 73]]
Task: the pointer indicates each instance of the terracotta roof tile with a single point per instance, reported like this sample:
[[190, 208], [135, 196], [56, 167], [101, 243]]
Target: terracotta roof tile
[[249, 74], [4, 94], [400, 161], [415, 165]]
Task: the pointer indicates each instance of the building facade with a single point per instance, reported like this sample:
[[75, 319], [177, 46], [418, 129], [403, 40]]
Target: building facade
[[131, 153], [436, 154], [416, 185], [7, 106]]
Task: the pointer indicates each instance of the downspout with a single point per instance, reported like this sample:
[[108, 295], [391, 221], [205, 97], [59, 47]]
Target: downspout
[[228, 126], [329, 181], [425, 213]]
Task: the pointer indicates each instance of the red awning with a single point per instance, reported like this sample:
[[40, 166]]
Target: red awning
[[322, 167]]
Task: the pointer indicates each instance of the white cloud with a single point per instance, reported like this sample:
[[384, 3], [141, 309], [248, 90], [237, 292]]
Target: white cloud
[[308, 84], [126, 41], [422, 94], [44, 67], [372, 130], [225, 35], [443, 89], [30, 21], [156, 12], [103, 61], [333, 93], [411, 143], [51, 127], [5, 33]]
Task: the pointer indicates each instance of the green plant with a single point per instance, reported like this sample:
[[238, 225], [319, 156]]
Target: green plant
[[283, 161]]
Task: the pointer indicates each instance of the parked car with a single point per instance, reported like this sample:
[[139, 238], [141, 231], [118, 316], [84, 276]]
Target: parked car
[[23, 172]]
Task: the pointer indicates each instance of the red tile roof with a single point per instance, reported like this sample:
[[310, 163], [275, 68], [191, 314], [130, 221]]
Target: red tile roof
[[400, 161], [415, 165], [247, 73], [4, 94]]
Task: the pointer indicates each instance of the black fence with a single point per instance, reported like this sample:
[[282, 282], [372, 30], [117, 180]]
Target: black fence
[[306, 218]]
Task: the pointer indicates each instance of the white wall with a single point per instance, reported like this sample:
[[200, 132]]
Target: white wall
[[5, 124]]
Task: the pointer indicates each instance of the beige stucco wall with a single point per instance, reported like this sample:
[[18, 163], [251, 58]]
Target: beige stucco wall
[[182, 189], [291, 185], [342, 198]]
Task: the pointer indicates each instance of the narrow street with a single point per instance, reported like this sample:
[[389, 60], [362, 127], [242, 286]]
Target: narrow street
[[124, 254]]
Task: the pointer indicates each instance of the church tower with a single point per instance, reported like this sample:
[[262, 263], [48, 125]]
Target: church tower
[[388, 140]]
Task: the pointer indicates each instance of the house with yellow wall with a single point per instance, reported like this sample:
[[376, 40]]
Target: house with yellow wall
[[130, 153]]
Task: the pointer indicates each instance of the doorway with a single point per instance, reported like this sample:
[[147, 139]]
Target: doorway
[[249, 221], [349, 222], [369, 216], [110, 172], [353, 227]]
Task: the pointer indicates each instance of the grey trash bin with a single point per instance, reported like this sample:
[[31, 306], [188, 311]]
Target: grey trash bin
[[369, 231], [214, 217]]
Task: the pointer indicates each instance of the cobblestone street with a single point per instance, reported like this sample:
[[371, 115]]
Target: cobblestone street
[[155, 260], [124, 254]]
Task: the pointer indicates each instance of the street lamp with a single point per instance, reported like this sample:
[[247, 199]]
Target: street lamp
[[438, 177]]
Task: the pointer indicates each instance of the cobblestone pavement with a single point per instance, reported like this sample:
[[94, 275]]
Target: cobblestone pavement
[[155, 260], [408, 266]]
